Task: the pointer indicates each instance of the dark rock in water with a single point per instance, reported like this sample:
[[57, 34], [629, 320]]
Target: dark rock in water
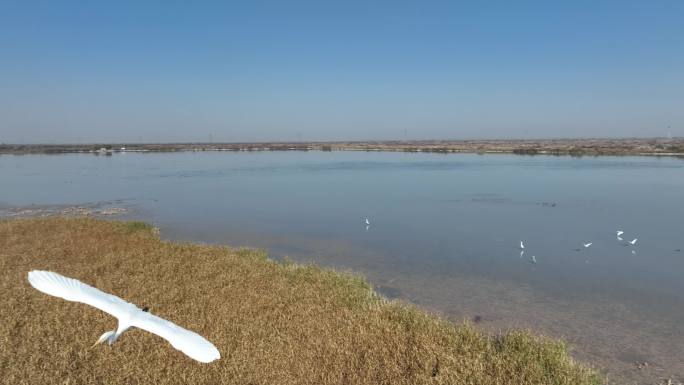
[[547, 204]]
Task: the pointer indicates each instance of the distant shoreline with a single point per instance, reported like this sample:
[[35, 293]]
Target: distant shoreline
[[571, 147]]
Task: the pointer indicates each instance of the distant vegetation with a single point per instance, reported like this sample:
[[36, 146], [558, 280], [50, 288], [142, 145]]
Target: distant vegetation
[[526, 151], [274, 323], [572, 147]]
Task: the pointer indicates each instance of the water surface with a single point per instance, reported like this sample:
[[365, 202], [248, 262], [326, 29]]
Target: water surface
[[444, 231]]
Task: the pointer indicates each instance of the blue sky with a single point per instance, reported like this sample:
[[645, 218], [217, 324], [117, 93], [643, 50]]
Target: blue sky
[[258, 71]]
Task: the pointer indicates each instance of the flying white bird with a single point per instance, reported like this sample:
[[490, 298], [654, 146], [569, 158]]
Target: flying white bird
[[633, 242], [367, 222], [522, 246], [129, 315], [533, 259], [586, 245], [619, 232]]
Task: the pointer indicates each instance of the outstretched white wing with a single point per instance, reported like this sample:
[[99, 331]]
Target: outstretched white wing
[[77, 291], [71, 289], [188, 342]]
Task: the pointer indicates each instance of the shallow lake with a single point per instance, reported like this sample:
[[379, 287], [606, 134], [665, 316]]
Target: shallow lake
[[444, 231]]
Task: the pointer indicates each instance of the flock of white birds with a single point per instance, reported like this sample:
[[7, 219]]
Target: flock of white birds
[[533, 259], [633, 242]]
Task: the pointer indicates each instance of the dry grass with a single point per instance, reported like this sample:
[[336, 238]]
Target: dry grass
[[273, 323]]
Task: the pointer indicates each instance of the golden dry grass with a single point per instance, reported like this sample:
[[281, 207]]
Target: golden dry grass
[[273, 323]]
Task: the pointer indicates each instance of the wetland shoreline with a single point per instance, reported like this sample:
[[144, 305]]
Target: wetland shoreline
[[272, 321]]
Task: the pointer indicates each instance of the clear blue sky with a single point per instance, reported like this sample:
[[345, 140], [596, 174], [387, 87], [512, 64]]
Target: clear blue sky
[[122, 71]]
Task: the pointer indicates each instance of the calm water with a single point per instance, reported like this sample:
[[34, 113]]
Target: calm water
[[444, 231]]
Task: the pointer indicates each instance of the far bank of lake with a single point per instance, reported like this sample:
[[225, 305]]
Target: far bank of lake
[[559, 147]]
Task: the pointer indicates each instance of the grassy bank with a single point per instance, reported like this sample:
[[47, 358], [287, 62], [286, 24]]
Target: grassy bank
[[273, 323]]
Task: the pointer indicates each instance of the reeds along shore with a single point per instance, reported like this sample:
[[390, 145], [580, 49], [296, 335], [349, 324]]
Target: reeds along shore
[[273, 323]]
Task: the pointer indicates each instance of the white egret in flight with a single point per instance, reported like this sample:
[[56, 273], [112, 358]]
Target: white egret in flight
[[129, 315], [619, 232], [633, 242], [522, 245], [586, 245], [367, 222]]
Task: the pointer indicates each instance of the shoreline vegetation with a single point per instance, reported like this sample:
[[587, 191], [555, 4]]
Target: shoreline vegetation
[[572, 147], [274, 322]]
